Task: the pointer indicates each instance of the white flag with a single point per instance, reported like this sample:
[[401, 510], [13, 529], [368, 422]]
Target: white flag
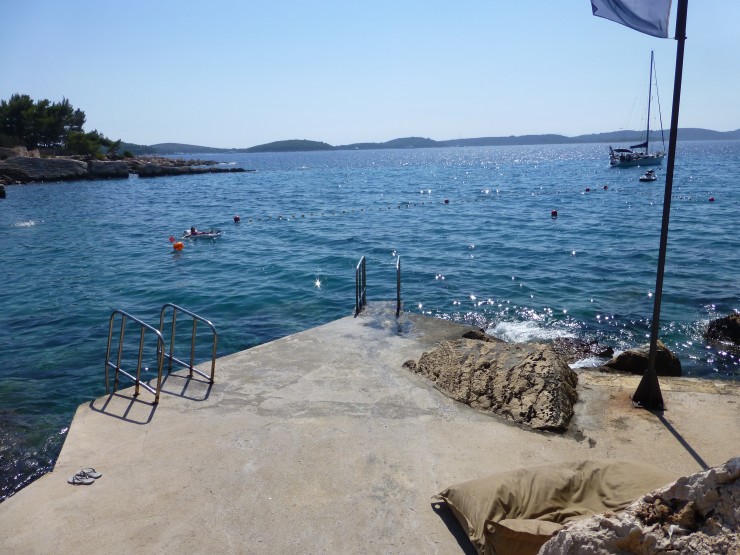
[[647, 16]]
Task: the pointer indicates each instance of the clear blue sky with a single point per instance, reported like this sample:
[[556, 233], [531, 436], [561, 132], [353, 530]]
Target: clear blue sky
[[241, 73]]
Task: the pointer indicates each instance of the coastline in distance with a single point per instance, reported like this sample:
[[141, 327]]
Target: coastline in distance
[[302, 145]]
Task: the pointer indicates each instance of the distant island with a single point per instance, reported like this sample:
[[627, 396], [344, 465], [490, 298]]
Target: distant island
[[302, 145]]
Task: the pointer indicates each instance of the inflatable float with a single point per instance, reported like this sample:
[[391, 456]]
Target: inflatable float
[[210, 234]]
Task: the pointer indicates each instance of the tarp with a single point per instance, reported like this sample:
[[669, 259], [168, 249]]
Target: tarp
[[517, 512]]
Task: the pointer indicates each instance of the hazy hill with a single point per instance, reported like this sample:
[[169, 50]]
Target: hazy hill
[[179, 148], [295, 145], [617, 138]]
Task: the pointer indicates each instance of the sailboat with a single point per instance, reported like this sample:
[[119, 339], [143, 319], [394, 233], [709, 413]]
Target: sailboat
[[627, 157]]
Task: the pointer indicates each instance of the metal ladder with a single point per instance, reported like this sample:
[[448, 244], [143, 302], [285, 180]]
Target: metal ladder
[[171, 356], [161, 352], [361, 286], [117, 366]]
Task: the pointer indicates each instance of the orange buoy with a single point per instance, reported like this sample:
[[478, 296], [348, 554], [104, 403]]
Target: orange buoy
[[178, 246]]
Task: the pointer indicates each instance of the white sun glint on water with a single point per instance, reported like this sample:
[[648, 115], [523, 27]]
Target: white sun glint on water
[[317, 283]]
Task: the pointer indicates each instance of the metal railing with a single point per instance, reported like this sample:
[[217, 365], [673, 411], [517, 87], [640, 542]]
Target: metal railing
[[398, 286], [171, 356], [360, 286], [117, 366]]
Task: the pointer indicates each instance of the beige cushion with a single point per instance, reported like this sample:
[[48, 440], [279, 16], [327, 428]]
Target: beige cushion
[[519, 536], [553, 494]]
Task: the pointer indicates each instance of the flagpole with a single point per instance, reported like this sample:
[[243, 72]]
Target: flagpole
[[648, 395]]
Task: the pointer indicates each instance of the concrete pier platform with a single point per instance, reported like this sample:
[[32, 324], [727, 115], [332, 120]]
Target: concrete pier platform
[[321, 442]]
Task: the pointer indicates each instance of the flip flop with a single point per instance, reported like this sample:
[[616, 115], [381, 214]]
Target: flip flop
[[89, 473], [79, 480]]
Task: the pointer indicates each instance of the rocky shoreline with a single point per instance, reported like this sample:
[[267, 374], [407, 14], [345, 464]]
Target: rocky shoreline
[[18, 166], [532, 384]]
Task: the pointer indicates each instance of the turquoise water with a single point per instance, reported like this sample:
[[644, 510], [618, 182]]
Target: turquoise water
[[493, 256]]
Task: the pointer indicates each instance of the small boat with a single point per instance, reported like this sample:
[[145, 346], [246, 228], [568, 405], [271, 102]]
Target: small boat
[[210, 234], [627, 157], [649, 176]]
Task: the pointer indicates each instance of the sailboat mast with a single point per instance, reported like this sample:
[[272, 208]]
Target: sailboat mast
[[650, 96]]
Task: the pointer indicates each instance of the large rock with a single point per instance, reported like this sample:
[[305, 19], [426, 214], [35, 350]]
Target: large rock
[[527, 383], [136, 163], [696, 514], [481, 335], [107, 170], [6, 153], [635, 361], [24, 169], [572, 350], [157, 170], [724, 329]]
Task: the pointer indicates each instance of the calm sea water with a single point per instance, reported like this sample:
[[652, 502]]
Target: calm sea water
[[493, 256]]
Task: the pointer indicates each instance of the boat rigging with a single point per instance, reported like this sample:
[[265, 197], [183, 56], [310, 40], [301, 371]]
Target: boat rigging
[[627, 157]]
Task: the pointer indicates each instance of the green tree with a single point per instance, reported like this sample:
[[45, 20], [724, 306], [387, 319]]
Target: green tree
[[38, 124], [113, 147], [86, 144], [16, 117], [39, 121]]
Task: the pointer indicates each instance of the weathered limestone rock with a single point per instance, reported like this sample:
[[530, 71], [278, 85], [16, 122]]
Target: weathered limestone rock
[[724, 329], [6, 153], [527, 383], [105, 170], [635, 361], [25, 169], [573, 350], [481, 335], [696, 514], [156, 170], [136, 163]]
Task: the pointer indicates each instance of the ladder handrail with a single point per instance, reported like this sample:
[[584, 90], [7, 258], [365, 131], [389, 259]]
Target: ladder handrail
[[398, 286], [360, 286], [117, 366], [171, 356]]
